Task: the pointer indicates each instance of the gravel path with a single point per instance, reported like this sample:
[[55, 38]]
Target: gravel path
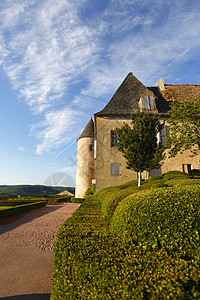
[[36, 229], [26, 251]]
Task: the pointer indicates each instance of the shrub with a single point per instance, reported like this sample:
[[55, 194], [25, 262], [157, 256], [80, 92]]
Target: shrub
[[195, 173], [14, 203], [60, 199], [188, 182], [159, 185], [110, 198], [175, 174], [155, 178], [10, 211], [90, 190], [77, 200], [131, 183], [167, 219], [92, 263]]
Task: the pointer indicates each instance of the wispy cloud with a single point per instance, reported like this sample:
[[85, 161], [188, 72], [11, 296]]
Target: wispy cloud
[[21, 148], [59, 127], [65, 63], [45, 50]]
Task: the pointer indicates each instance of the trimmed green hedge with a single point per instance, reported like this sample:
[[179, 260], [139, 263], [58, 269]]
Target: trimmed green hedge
[[110, 199], [195, 173], [158, 185], [60, 199], [77, 200], [158, 177], [93, 263], [21, 208], [14, 203], [167, 219], [90, 190], [175, 174]]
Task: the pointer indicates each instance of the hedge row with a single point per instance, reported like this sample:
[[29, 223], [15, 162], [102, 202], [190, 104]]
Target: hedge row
[[14, 203], [93, 263], [21, 208], [110, 199], [77, 200], [60, 199], [167, 218]]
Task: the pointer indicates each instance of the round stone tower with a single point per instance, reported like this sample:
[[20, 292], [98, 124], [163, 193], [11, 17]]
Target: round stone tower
[[85, 160]]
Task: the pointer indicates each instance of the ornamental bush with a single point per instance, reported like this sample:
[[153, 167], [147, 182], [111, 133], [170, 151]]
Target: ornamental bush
[[109, 200], [158, 177], [167, 219], [175, 174], [195, 173]]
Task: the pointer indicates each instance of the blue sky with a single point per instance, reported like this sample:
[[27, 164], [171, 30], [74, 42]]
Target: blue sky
[[62, 60]]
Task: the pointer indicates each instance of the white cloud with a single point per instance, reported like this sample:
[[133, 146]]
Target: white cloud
[[46, 51], [21, 148], [59, 127], [47, 48]]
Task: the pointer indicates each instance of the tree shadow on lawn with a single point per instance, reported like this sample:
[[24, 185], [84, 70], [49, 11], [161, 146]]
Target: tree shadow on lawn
[[12, 222], [28, 297]]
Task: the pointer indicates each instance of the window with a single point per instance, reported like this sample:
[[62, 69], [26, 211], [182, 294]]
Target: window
[[155, 172], [186, 168], [164, 132], [113, 138], [114, 169], [148, 103], [95, 149]]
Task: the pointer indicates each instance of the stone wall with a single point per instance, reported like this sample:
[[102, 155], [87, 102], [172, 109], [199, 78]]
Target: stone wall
[[85, 165], [107, 155]]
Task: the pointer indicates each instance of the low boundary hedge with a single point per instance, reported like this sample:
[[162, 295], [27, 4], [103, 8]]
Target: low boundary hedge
[[77, 200], [14, 203], [21, 208]]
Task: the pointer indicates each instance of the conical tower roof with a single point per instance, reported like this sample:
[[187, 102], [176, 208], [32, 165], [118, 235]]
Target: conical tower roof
[[126, 98], [88, 131]]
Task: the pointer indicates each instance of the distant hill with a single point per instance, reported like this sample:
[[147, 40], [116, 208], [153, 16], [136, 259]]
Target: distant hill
[[29, 190]]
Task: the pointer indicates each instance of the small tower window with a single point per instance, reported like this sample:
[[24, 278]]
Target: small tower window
[[114, 168], [164, 132], [113, 138]]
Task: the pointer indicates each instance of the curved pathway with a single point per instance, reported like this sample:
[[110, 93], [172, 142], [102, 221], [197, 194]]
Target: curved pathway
[[26, 251]]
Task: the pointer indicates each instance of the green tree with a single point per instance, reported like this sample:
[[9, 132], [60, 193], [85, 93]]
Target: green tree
[[139, 143], [184, 124]]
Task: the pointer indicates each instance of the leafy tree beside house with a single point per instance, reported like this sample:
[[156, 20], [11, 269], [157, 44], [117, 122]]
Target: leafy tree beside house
[[139, 143], [184, 127]]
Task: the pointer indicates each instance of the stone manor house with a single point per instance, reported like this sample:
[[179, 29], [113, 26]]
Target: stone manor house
[[98, 160]]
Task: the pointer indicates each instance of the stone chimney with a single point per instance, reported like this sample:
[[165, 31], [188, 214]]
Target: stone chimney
[[161, 85]]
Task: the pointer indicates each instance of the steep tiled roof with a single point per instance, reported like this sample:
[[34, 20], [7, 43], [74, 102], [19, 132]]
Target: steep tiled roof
[[161, 103], [126, 98], [88, 131], [181, 92], [125, 101]]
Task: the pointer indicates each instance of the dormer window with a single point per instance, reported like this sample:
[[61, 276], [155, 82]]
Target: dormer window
[[148, 103]]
